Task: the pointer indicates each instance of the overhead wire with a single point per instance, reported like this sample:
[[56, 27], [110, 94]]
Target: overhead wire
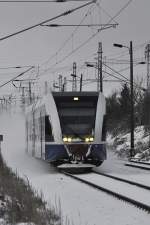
[[13, 67], [68, 39], [121, 80], [21, 74], [92, 36], [74, 25], [118, 79], [125, 52], [101, 8], [40, 1], [45, 21], [115, 71], [76, 49]]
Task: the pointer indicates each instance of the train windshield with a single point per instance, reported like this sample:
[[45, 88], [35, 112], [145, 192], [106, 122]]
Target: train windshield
[[77, 116]]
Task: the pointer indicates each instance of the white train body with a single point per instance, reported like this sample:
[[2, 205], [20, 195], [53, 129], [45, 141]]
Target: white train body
[[67, 127]]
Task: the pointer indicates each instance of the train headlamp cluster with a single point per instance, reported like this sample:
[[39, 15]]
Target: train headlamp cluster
[[67, 139], [89, 139]]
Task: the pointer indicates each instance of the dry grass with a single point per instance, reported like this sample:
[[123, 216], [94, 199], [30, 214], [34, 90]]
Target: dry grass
[[21, 202]]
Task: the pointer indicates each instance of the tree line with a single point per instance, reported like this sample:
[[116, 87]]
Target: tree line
[[118, 106]]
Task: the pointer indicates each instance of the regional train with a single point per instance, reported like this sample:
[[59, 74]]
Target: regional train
[[68, 128]]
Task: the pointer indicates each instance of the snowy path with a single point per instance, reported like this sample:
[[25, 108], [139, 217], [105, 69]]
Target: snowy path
[[81, 204]]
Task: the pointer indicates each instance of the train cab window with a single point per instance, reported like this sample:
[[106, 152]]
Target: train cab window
[[77, 118], [48, 130]]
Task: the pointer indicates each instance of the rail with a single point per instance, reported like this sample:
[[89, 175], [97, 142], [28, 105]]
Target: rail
[[112, 193]]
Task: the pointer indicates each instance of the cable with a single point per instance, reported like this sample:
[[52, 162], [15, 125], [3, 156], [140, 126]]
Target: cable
[[48, 20], [101, 8], [13, 67], [125, 52], [76, 49], [124, 61], [2, 85], [75, 25], [68, 39], [118, 79], [92, 36], [123, 76], [116, 71], [44, 1]]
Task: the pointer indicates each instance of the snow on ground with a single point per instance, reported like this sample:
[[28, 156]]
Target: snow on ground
[[121, 143], [80, 203], [128, 190], [115, 166]]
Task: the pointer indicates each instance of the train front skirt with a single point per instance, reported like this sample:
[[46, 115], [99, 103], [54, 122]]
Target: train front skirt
[[58, 153]]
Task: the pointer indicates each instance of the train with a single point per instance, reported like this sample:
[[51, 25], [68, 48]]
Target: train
[[68, 129]]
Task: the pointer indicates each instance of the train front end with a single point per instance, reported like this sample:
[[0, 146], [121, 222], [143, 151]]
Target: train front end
[[82, 122]]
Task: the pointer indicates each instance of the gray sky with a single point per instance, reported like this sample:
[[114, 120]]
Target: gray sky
[[36, 46]]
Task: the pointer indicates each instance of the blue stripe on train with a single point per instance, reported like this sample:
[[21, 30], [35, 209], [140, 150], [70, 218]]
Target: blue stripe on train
[[58, 152], [98, 151], [55, 152]]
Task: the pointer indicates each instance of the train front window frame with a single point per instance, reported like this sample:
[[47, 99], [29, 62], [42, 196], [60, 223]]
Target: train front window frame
[[77, 118]]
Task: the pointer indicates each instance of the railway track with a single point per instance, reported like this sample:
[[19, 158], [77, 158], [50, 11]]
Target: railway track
[[124, 180], [140, 162], [139, 165], [107, 183]]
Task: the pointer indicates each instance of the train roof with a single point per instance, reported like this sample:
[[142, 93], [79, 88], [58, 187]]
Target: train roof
[[43, 100]]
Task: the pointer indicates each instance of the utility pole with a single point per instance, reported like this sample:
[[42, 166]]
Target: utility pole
[[81, 80], [23, 97], [60, 82], [99, 63], [132, 100], [65, 84], [130, 48], [46, 88], [30, 94], [147, 56], [74, 75]]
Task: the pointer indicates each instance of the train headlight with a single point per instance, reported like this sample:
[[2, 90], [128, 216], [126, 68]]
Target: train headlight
[[65, 139], [87, 139], [91, 139], [69, 139]]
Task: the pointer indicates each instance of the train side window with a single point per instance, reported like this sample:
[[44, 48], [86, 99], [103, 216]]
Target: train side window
[[48, 130]]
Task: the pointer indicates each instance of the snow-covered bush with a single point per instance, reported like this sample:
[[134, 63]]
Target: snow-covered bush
[[121, 144]]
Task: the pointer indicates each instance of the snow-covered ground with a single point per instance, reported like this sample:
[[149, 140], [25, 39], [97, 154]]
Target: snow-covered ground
[[79, 203], [121, 143]]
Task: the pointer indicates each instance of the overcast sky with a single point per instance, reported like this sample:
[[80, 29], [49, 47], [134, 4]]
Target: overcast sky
[[36, 46]]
